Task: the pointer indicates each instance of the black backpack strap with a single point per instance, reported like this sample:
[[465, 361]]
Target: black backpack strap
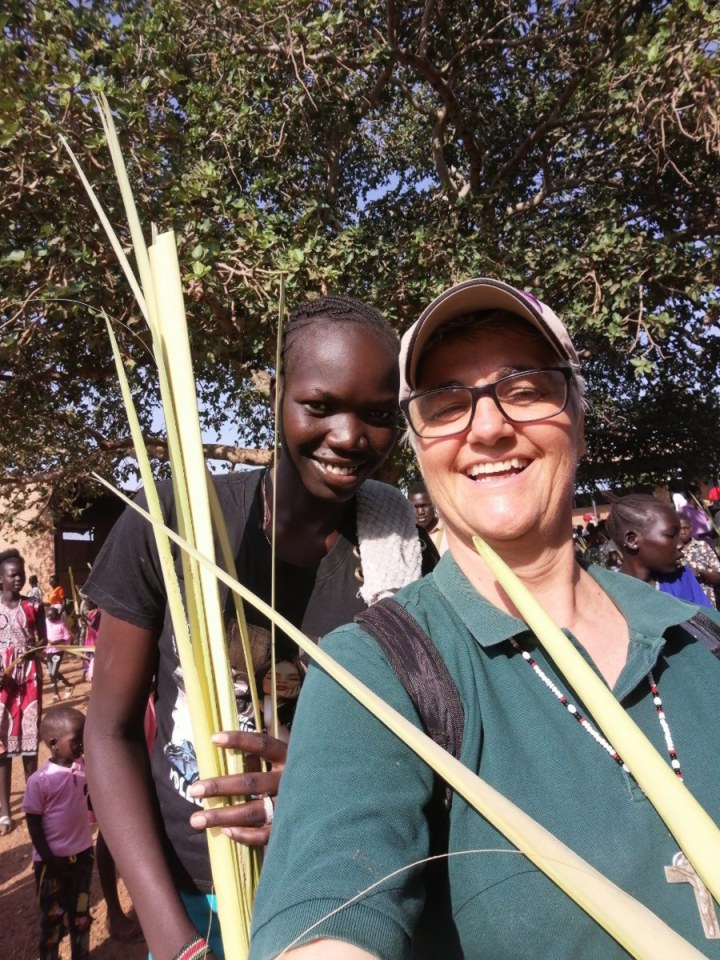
[[705, 631], [422, 671]]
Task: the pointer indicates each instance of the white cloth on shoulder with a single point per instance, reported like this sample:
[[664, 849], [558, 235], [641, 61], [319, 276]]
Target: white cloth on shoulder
[[390, 549]]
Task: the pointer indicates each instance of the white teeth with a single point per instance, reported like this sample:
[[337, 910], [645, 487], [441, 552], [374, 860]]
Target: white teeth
[[499, 466], [339, 471]]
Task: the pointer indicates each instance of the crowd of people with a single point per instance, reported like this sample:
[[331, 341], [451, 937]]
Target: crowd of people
[[492, 397]]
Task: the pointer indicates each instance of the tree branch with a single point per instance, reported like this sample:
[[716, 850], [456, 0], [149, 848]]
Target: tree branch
[[552, 119], [452, 108], [438, 155], [424, 32], [157, 448]]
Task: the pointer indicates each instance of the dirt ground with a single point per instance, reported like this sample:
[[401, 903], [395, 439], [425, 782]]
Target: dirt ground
[[17, 890]]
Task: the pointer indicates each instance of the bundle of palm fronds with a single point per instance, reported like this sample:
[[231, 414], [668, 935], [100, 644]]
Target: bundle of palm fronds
[[197, 618]]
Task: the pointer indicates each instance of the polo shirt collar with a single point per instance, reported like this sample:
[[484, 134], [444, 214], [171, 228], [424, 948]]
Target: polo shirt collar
[[648, 612], [487, 624]]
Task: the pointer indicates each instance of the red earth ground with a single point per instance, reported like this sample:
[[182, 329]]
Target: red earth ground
[[18, 913]]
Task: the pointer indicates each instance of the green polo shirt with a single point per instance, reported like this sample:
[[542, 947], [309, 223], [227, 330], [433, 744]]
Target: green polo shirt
[[351, 823]]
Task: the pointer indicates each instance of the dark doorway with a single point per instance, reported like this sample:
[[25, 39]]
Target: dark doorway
[[78, 539]]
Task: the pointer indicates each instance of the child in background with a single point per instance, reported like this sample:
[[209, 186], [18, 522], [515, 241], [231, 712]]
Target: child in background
[[58, 819], [90, 616], [35, 594], [57, 593], [57, 632]]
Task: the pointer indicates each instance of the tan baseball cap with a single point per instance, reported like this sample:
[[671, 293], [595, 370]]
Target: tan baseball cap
[[469, 296]]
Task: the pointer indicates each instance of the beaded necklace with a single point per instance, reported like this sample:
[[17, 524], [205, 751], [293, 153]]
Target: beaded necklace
[[589, 728], [681, 870]]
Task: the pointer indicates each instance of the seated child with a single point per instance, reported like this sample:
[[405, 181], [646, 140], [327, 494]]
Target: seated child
[[57, 632], [58, 819]]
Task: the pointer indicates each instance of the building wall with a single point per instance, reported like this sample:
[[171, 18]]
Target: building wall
[[72, 543], [32, 532]]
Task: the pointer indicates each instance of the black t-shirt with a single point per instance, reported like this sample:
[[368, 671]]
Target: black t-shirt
[[126, 580]]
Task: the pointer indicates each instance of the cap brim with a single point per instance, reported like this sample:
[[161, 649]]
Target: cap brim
[[469, 297]]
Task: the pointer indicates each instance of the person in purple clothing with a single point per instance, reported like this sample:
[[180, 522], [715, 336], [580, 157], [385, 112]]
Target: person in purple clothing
[[648, 531]]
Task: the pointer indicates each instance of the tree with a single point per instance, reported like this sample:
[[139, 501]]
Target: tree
[[381, 149]]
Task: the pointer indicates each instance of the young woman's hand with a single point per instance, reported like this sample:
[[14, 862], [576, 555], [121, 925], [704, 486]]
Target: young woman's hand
[[247, 822]]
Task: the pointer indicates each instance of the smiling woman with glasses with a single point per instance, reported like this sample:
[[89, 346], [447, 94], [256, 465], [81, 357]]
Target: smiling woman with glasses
[[491, 389]]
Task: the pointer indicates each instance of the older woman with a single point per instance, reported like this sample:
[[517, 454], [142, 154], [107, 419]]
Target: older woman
[[492, 394]]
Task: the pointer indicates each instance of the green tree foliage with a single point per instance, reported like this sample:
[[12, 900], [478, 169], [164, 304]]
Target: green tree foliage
[[381, 149]]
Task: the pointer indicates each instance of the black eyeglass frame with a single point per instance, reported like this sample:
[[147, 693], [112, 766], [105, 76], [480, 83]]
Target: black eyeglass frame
[[489, 390]]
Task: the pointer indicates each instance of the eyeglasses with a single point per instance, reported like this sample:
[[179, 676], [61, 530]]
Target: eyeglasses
[[521, 398]]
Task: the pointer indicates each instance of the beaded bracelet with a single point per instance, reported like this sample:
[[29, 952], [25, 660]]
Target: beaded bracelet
[[193, 950]]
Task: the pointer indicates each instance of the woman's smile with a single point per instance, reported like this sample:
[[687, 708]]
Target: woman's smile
[[497, 469], [336, 469]]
